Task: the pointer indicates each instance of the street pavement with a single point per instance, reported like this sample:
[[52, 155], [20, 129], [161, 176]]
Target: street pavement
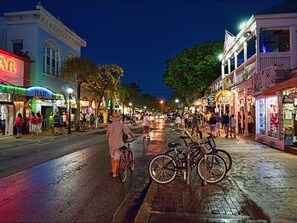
[[260, 187]]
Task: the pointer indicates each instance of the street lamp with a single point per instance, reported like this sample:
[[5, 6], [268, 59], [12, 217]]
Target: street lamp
[[69, 91], [161, 102]]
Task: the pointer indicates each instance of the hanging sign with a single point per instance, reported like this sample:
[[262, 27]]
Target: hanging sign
[[39, 92], [224, 97]]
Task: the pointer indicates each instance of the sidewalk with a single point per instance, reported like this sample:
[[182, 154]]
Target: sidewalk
[[11, 142], [222, 202]]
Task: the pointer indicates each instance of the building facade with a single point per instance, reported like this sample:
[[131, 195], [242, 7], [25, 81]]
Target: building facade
[[258, 69], [47, 42]]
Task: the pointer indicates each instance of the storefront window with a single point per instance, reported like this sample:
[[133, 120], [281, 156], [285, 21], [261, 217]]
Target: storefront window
[[290, 117], [272, 117], [260, 128]]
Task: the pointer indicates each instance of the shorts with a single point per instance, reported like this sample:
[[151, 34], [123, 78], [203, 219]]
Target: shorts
[[212, 127], [115, 154]]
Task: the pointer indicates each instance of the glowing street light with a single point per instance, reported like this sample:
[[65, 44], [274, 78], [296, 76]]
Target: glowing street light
[[69, 91], [161, 103]]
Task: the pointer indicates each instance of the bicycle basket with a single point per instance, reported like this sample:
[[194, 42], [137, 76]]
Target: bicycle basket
[[209, 144]]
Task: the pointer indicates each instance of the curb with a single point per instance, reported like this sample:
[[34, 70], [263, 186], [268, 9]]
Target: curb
[[144, 211]]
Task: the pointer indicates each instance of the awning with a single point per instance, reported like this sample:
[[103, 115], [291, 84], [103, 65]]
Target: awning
[[280, 86]]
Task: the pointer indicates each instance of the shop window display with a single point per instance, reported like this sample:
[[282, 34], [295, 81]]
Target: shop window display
[[272, 110], [290, 117], [261, 128]]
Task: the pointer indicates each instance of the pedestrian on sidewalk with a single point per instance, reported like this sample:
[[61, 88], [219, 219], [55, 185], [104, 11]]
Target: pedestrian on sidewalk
[[146, 126], [226, 123], [218, 124], [58, 122], [32, 123], [212, 124], [114, 133], [18, 122], [51, 122], [232, 126], [38, 123]]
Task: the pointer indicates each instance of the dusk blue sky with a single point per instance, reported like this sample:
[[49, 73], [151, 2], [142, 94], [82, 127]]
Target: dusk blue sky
[[141, 35]]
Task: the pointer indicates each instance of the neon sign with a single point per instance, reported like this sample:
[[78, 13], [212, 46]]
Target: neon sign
[[39, 92], [7, 64]]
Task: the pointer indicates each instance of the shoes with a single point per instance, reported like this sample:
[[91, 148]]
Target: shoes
[[226, 137]]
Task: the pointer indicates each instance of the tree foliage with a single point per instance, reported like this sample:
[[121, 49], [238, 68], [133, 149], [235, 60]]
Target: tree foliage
[[105, 80], [193, 70]]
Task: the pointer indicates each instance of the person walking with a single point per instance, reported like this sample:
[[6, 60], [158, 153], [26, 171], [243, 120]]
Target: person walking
[[146, 126], [51, 122], [250, 122], [114, 133], [212, 124], [226, 119], [18, 122], [38, 123], [57, 123], [178, 121], [232, 126], [32, 123], [218, 124]]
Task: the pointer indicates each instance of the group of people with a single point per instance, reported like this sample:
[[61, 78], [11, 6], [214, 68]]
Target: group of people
[[215, 121]]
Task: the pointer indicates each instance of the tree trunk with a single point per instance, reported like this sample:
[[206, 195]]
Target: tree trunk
[[77, 114]]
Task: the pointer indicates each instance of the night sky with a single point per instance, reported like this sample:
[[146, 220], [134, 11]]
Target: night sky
[[140, 36]]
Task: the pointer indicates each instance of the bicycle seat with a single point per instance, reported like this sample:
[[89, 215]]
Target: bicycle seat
[[173, 144]]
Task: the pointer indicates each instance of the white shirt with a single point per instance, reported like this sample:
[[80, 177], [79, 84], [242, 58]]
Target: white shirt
[[145, 121]]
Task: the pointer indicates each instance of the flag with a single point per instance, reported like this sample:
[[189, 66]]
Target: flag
[[229, 40]]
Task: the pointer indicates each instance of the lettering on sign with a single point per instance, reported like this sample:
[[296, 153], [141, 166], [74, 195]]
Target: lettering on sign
[[40, 94], [7, 64]]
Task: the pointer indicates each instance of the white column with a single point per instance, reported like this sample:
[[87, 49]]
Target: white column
[[236, 65], [236, 110], [229, 66], [245, 51], [246, 131]]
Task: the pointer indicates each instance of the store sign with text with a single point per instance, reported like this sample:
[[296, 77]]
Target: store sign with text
[[11, 68], [224, 97], [39, 92]]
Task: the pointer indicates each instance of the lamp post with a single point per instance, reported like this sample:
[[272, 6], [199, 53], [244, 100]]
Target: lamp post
[[176, 101], [69, 91]]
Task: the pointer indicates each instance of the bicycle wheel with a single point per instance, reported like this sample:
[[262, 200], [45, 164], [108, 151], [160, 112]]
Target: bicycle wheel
[[162, 169], [212, 169], [122, 169], [130, 159], [226, 157]]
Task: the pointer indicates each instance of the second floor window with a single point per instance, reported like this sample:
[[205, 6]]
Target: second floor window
[[274, 41], [51, 60]]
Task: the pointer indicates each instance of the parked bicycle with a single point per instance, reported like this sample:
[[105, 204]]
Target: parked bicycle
[[209, 143], [82, 127], [210, 167], [126, 161]]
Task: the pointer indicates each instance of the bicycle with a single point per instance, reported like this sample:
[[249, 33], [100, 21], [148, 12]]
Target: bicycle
[[210, 167], [126, 161], [82, 127], [175, 148]]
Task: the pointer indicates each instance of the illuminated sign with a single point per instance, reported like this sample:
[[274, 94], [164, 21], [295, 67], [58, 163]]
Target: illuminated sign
[[39, 92], [11, 68], [224, 97], [7, 64]]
